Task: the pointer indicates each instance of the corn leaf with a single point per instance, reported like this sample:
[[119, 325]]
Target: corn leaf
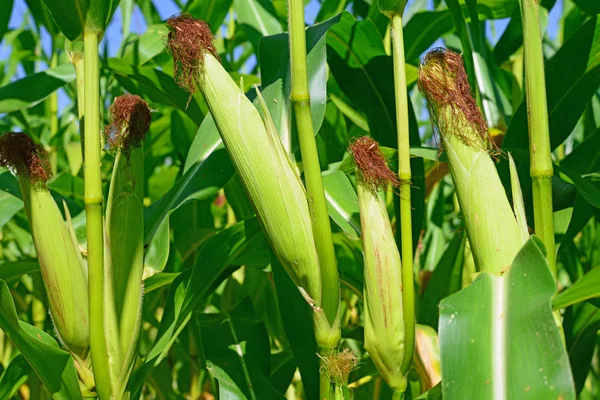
[[53, 366], [297, 322], [504, 325], [5, 11], [155, 86], [275, 66], [235, 342], [584, 289], [33, 89], [189, 289], [69, 15], [342, 203], [422, 30], [572, 78], [213, 12], [15, 375], [255, 20]]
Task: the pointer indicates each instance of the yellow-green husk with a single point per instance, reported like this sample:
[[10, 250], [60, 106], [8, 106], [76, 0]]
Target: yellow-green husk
[[61, 267], [383, 316]]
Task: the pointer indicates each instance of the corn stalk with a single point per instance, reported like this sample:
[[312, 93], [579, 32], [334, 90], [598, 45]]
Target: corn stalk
[[541, 169]]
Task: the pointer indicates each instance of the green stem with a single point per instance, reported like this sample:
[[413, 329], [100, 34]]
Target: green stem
[[404, 174], [398, 395], [300, 97], [539, 137], [93, 211], [53, 111]]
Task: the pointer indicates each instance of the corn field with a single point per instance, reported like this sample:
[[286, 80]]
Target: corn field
[[300, 199]]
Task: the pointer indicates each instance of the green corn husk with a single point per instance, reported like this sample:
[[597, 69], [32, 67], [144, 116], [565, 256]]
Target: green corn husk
[[492, 228], [62, 268], [124, 263], [265, 170], [383, 317]]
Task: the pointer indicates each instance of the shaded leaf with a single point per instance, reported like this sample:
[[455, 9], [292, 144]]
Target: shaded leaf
[[52, 365]]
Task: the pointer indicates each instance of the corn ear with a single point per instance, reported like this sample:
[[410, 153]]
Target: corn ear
[[62, 272], [492, 228], [383, 316], [265, 170], [384, 326], [124, 261]]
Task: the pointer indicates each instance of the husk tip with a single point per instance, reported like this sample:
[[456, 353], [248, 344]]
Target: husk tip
[[188, 40], [25, 157], [130, 120], [371, 163]]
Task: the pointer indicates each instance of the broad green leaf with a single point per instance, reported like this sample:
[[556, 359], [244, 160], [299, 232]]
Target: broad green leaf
[[586, 188], [33, 89], [228, 389], [591, 7], [126, 12], [504, 325], [342, 203], [444, 281], [435, 393], [330, 8], [42, 16], [422, 30], [15, 375], [192, 286], [255, 20], [363, 71], [69, 16], [99, 14], [298, 325], [581, 325], [275, 67], [159, 280], [157, 253], [52, 365], [5, 12], [147, 46], [150, 12], [9, 206], [211, 11], [155, 86], [238, 342], [207, 169], [15, 269], [511, 39], [572, 78], [494, 9], [585, 288]]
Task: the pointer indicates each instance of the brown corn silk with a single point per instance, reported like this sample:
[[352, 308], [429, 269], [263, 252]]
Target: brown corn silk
[[130, 120], [187, 41], [372, 164], [338, 365], [26, 157], [444, 83]]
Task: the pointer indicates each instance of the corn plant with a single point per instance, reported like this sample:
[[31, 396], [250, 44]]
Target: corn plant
[[261, 199]]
